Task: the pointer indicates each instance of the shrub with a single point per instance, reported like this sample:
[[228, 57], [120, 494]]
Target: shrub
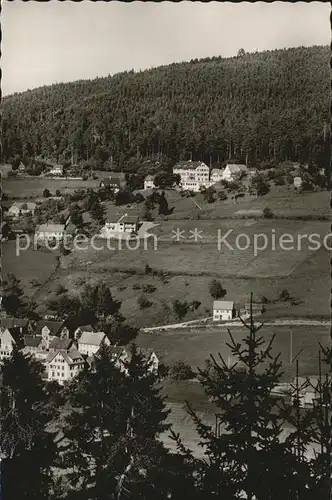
[[285, 295], [195, 305], [136, 286], [148, 269], [148, 288], [181, 371], [180, 308], [216, 289], [143, 302]]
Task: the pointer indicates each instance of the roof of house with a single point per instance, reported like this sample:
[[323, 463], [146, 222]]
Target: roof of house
[[60, 344], [92, 338], [130, 219], [16, 335], [70, 357], [32, 340], [53, 326], [223, 304], [85, 328], [12, 322], [216, 171], [189, 165], [50, 228], [149, 177], [117, 350], [235, 168]]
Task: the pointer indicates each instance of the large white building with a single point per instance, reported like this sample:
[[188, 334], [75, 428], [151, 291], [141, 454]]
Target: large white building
[[62, 365], [47, 232], [194, 175]]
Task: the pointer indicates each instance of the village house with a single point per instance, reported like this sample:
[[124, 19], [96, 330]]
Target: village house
[[114, 184], [193, 175], [50, 231], [121, 357], [307, 390], [62, 365], [149, 182], [33, 345], [8, 338], [234, 172], [297, 182], [126, 225], [51, 328], [21, 167], [17, 209], [82, 329], [257, 308], [90, 342], [223, 310], [216, 175], [56, 170]]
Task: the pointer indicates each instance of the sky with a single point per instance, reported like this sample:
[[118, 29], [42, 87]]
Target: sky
[[45, 43]]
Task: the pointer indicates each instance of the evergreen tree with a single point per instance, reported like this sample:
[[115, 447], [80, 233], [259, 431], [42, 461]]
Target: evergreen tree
[[27, 446], [98, 213], [246, 456], [112, 430], [163, 204]]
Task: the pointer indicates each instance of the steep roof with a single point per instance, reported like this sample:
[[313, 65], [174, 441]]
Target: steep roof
[[217, 171], [85, 328], [31, 340], [70, 357], [236, 168], [60, 344], [54, 326], [12, 322], [92, 338], [150, 177], [130, 219], [223, 304], [16, 336]]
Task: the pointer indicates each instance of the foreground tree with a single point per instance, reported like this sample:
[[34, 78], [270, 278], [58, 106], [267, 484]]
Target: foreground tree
[[12, 295], [246, 456], [112, 430], [26, 446]]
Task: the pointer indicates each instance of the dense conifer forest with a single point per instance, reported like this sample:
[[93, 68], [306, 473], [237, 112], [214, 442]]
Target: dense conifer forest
[[259, 107]]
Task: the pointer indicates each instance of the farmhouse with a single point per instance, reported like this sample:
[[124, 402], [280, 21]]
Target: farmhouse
[[62, 366], [233, 172], [223, 310], [47, 232], [257, 308], [126, 224], [8, 338], [297, 182], [193, 175], [90, 342], [149, 182], [22, 324], [51, 328], [17, 209], [82, 329], [216, 175], [33, 344]]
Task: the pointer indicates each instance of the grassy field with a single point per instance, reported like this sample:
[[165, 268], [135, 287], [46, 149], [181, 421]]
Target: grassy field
[[29, 265], [34, 187], [194, 346]]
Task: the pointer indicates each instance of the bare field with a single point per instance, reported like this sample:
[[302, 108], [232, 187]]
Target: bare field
[[194, 346]]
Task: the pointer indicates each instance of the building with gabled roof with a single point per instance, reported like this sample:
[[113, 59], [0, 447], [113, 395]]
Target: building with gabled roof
[[149, 182], [62, 366], [194, 175], [53, 328], [50, 231], [223, 310], [22, 324], [81, 329], [21, 208], [8, 338], [89, 343], [234, 171]]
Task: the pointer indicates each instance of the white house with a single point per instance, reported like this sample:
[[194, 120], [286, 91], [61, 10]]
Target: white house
[[8, 338], [125, 225], [149, 182], [193, 175], [47, 232], [216, 175], [297, 182], [121, 356], [17, 209], [233, 172], [62, 366], [56, 170], [223, 310], [90, 342], [81, 329]]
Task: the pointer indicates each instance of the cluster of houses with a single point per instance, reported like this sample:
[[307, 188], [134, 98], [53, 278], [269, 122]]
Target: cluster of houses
[[62, 355], [195, 175]]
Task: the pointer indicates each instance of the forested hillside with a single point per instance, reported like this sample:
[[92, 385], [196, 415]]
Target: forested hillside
[[263, 106]]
